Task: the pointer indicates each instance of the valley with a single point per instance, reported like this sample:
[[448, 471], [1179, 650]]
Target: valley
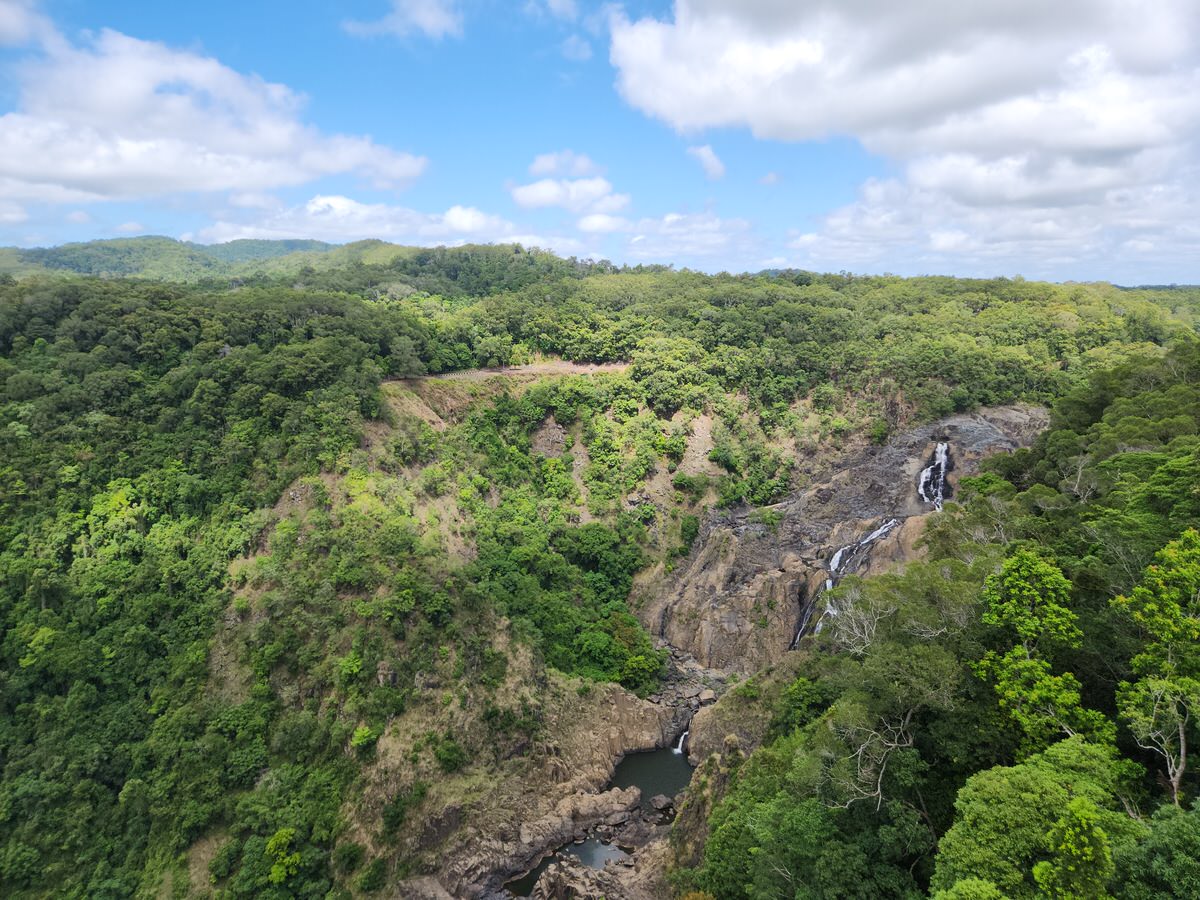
[[430, 574]]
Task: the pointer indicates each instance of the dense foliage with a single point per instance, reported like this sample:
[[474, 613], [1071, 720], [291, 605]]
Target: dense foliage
[[1012, 717], [236, 549]]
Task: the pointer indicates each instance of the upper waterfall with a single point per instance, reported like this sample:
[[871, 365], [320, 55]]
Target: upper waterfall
[[932, 485]]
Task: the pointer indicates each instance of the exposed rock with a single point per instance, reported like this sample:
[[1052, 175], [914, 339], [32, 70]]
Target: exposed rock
[[733, 606], [661, 802], [426, 889], [555, 795], [738, 600], [550, 439], [736, 717], [641, 878], [636, 833]]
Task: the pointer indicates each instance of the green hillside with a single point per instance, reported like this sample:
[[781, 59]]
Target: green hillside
[[296, 585]]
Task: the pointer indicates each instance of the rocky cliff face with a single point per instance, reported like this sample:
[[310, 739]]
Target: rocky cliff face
[[556, 795], [738, 601], [735, 605]]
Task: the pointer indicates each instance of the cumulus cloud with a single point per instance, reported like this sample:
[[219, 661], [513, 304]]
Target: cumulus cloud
[[337, 219], [12, 213], [21, 23], [675, 236], [576, 195], [603, 223], [709, 161], [1048, 119], [698, 236], [122, 118], [254, 200], [564, 162], [893, 219], [432, 18]]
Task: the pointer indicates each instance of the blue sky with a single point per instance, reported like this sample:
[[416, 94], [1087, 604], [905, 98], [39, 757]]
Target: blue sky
[[1003, 138]]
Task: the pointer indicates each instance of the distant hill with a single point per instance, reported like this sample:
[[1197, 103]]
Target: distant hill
[[158, 258], [370, 267], [251, 250], [146, 257]]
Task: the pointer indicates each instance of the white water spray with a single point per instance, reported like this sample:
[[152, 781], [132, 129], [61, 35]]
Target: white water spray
[[678, 748], [837, 565], [932, 486]]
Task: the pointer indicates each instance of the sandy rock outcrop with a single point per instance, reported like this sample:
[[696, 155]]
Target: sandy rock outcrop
[[642, 877], [738, 600]]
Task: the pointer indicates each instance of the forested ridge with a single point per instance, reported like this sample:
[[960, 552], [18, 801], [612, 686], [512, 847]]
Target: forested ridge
[[238, 552]]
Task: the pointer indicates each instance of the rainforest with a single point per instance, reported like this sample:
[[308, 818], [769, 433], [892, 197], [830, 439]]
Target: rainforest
[[351, 571]]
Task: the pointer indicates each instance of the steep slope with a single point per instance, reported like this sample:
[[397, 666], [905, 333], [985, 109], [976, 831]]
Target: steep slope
[[740, 598]]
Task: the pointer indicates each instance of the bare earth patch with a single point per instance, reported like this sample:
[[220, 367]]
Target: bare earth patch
[[695, 459]]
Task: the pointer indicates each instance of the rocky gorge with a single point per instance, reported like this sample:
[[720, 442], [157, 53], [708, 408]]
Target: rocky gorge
[[739, 603]]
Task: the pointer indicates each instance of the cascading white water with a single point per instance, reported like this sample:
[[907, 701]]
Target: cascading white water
[[678, 748], [805, 615], [837, 565], [879, 532], [932, 486]]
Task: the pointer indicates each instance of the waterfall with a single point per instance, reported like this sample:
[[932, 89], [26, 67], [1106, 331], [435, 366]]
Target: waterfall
[[805, 615], [932, 486], [837, 565], [678, 748], [879, 532]]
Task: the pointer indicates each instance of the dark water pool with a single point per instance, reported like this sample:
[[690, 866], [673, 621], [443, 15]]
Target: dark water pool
[[656, 772], [592, 852]]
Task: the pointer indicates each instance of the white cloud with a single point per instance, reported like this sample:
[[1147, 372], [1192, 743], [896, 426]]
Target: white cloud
[[78, 217], [130, 228], [563, 162], [432, 18], [577, 195], [1019, 127], [12, 213], [771, 178], [337, 218], [709, 161], [603, 223], [122, 118], [254, 200], [576, 49], [681, 236], [799, 71], [676, 236], [894, 220], [21, 23]]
